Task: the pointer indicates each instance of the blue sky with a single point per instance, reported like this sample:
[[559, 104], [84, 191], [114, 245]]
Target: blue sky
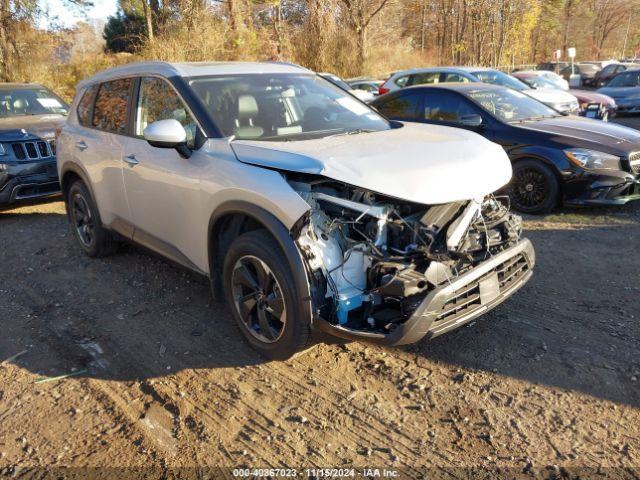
[[57, 13]]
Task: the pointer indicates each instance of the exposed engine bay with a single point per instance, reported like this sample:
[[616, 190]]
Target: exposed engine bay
[[373, 258]]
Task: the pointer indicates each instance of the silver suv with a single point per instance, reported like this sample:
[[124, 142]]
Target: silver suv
[[305, 207]]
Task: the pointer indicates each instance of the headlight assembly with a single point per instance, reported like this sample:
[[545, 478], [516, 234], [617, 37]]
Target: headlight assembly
[[592, 159]]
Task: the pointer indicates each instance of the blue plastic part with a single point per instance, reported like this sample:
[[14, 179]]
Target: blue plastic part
[[346, 304]]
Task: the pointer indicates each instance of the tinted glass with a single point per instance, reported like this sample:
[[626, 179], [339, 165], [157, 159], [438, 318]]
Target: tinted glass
[[510, 105], [110, 112], [445, 107], [455, 77], [17, 102], [626, 79], [496, 77], [424, 78], [403, 107], [85, 105], [283, 106], [402, 81], [159, 101]]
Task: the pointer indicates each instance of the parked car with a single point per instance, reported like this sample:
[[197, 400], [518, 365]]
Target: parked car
[[586, 71], [368, 85], [557, 159], [528, 76], [557, 99], [607, 73], [624, 88], [29, 115], [595, 105], [552, 66], [305, 207], [363, 95]]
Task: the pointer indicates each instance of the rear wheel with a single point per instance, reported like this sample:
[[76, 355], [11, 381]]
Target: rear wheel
[[261, 293], [86, 226], [533, 188]]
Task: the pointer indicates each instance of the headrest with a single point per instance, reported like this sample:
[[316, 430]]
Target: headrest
[[247, 106], [20, 104]]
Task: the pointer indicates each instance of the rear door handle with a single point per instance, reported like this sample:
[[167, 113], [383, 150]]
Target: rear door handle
[[81, 145], [131, 160]]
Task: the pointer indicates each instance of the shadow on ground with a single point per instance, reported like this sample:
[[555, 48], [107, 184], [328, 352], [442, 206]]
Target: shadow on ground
[[134, 316]]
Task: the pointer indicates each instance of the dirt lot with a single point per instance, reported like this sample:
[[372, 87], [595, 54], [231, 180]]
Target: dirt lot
[[548, 383]]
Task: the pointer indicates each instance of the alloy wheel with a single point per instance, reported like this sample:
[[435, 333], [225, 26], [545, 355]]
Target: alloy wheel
[[258, 299], [82, 219], [530, 188]]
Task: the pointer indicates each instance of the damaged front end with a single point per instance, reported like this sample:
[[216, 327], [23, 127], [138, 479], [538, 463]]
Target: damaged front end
[[392, 272]]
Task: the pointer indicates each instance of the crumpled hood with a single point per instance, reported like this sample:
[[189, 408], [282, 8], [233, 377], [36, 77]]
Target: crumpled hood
[[426, 164], [42, 126]]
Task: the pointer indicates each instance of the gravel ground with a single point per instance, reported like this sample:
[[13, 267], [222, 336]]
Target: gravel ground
[[156, 375]]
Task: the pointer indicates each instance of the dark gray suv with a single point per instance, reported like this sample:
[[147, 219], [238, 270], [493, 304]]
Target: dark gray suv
[[29, 115]]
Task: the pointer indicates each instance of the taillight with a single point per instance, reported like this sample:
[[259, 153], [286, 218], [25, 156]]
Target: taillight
[[382, 90], [58, 131]]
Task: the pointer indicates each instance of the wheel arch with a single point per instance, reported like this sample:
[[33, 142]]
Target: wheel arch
[[236, 217]]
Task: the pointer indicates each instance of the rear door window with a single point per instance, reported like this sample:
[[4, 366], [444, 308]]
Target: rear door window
[[402, 81], [110, 112], [454, 77], [403, 107], [445, 107]]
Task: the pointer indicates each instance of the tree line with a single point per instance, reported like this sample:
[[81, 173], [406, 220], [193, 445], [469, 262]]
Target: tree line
[[348, 37]]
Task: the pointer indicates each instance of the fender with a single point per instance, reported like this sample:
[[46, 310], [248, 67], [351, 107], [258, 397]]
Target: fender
[[282, 235], [78, 170]]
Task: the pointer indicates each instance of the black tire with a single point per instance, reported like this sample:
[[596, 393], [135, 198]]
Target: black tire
[[270, 316], [86, 225], [534, 187]]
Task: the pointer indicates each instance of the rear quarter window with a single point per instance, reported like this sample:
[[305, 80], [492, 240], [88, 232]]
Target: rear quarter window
[[85, 106], [110, 111]]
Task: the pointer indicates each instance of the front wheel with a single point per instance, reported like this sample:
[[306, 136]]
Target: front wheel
[[533, 188], [260, 290]]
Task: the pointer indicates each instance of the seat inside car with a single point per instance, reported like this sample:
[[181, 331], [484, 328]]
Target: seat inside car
[[245, 121]]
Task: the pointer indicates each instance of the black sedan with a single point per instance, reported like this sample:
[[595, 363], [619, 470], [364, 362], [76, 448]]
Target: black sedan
[[557, 159]]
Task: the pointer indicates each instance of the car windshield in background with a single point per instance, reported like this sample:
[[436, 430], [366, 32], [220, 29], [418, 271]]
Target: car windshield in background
[[626, 79], [30, 101], [282, 107], [495, 77], [511, 106], [539, 83]]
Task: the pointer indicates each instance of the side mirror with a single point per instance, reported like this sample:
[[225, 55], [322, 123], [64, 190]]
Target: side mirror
[[167, 134], [471, 121]]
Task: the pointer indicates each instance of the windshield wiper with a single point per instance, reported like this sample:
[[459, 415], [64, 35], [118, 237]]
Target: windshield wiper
[[355, 131]]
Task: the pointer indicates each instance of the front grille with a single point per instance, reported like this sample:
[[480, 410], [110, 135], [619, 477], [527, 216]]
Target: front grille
[[634, 162], [468, 299], [18, 151], [32, 150]]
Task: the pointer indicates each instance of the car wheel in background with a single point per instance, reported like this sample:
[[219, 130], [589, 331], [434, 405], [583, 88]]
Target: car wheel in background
[[260, 290], [533, 188], [86, 226]]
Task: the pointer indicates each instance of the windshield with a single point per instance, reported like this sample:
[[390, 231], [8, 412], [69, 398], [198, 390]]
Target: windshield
[[283, 107], [496, 77], [539, 82], [511, 106], [627, 79], [16, 102]]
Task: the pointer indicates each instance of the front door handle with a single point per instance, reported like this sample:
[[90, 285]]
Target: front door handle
[[131, 160], [81, 145]]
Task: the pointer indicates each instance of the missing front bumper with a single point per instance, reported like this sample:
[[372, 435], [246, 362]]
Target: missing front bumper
[[456, 303]]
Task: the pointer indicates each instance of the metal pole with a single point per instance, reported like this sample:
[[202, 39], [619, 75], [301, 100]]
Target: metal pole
[[626, 36]]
